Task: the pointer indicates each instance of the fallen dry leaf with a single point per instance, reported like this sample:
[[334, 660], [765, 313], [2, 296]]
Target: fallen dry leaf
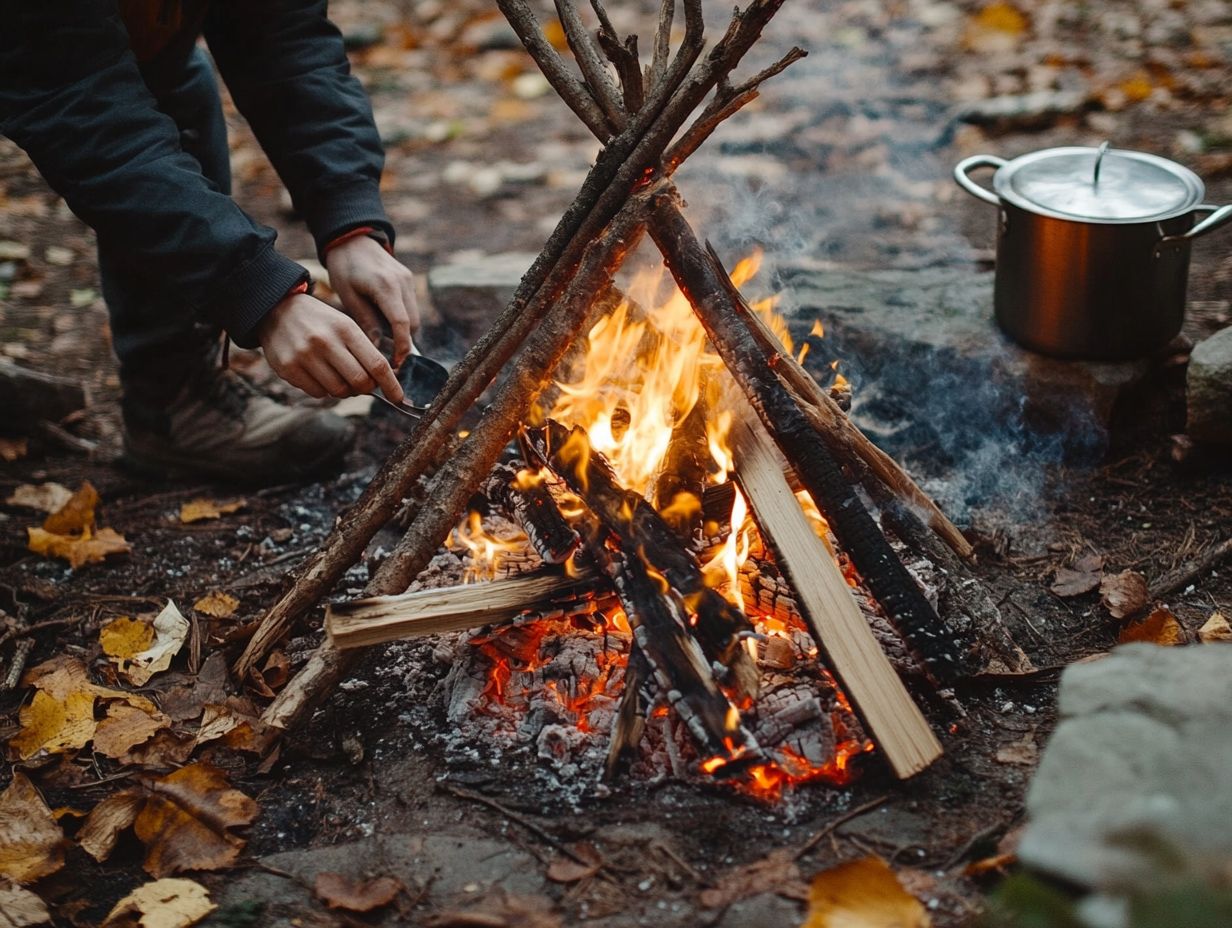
[[124, 728], [1024, 752], [31, 843], [60, 717], [102, 827], [1082, 578], [238, 730], [187, 700], [774, 873], [1124, 594], [90, 547], [45, 497], [166, 749], [198, 510], [170, 630], [564, 870], [77, 513], [171, 903], [13, 449], [1216, 628], [123, 639], [863, 893], [342, 892], [20, 908], [186, 820], [217, 605], [1160, 627]]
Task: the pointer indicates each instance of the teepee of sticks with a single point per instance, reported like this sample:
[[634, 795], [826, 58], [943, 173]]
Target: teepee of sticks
[[640, 115]]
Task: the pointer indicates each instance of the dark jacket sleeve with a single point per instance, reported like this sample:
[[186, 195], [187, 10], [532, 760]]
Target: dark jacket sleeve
[[287, 70], [71, 95]]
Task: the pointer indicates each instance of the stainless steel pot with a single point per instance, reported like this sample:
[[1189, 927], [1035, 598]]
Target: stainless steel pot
[[1092, 248]]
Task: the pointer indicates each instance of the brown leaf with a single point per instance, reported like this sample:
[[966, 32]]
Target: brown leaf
[[31, 843], [187, 818], [89, 547], [238, 730], [124, 728], [13, 449], [1077, 581], [565, 870], [1124, 594], [341, 892], [198, 510], [20, 908], [1216, 628], [186, 701], [1160, 627], [77, 513], [774, 872], [166, 749], [102, 827], [863, 894], [217, 605], [174, 903], [45, 497]]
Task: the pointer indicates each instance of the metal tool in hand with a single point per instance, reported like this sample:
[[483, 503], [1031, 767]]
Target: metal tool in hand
[[421, 379]]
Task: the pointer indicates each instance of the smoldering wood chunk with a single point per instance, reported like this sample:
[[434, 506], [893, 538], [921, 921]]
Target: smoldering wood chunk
[[528, 500], [680, 485]]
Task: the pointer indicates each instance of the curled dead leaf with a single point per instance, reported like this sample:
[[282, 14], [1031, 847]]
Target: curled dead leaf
[[564, 870], [186, 820], [31, 843], [1082, 578], [162, 639], [1160, 627], [199, 510], [342, 892], [238, 730], [76, 514], [1124, 594], [20, 908], [863, 893], [170, 903], [124, 728], [102, 827], [1216, 628], [89, 547], [217, 605], [45, 497]]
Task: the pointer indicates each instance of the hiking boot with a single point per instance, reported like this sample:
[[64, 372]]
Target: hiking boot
[[220, 425]]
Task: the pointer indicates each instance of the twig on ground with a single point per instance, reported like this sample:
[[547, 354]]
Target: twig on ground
[[839, 823]]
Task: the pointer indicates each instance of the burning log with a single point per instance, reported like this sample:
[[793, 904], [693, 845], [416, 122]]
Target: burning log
[[720, 625], [679, 488], [630, 722], [526, 496], [722, 312], [659, 621], [826, 603], [377, 619]]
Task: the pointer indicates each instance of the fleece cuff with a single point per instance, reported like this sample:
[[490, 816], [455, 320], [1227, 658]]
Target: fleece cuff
[[345, 208], [252, 290]]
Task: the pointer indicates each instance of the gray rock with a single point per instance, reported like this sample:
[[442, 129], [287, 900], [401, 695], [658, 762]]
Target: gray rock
[[1133, 787], [470, 292], [1209, 389]]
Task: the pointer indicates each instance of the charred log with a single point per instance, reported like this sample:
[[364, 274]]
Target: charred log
[[526, 497], [680, 485]]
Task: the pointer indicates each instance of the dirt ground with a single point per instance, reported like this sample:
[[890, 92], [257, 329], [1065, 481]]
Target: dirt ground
[[844, 163]]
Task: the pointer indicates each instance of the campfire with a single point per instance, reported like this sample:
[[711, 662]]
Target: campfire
[[693, 549]]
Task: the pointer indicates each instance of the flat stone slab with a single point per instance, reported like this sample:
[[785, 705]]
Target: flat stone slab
[[471, 290], [1209, 389], [1134, 785]]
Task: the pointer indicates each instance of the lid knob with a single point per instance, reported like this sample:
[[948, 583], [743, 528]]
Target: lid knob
[[1099, 161]]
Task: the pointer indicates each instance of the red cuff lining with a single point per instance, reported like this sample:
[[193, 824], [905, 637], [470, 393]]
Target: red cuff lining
[[356, 233]]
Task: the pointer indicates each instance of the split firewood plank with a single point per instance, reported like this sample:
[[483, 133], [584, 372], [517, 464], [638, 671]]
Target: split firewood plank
[[890, 716], [377, 619]]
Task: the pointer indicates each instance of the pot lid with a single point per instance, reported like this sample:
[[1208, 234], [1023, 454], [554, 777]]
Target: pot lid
[[1099, 185]]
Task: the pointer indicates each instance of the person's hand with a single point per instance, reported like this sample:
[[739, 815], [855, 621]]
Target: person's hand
[[311, 345], [372, 283]]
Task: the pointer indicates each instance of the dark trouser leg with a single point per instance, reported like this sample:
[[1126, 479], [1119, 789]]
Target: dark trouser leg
[[157, 338]]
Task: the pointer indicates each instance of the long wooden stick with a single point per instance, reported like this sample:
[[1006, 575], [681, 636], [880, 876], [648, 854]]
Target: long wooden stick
[[825, 600]]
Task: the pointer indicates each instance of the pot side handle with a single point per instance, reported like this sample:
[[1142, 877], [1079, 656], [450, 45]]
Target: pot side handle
[[962, 172], [1219, 215]]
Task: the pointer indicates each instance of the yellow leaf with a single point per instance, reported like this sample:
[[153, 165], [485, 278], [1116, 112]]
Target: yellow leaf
[[1160, 627], [1001, 17], [198, 510], [1216, 628], [31, 843], [187, 818], [219, 605], [171, 903], [20, 908], [1138, 87], [124, 638], [864, 893], [55, 725], [170, 631], [76, 515], [87, 548]]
